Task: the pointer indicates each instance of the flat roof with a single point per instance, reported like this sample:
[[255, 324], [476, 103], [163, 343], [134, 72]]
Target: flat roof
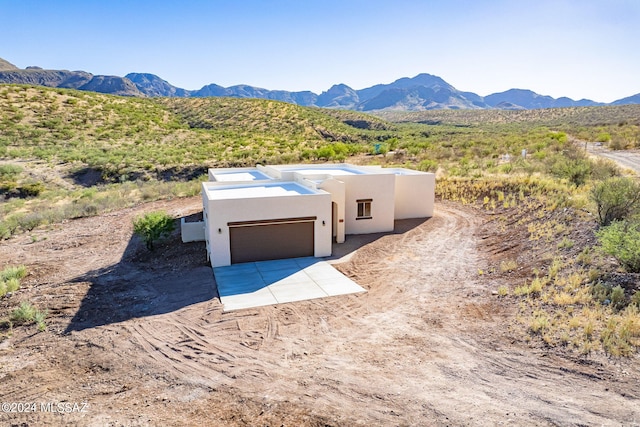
[[328, 171], [335, 170], [239, 191], [404, 171], [246, 175]]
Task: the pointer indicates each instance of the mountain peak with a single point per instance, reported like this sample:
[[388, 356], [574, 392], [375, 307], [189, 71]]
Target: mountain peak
[[338, 96], [421, 92], [152, 85], [428, 80], [7, 66]]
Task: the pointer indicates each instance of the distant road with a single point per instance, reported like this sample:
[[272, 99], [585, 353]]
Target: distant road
[[629, 159]]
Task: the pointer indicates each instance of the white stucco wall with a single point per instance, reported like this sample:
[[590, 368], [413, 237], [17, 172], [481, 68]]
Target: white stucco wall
[[221, 212], [192, 231], [380, 189], [394, 193], [414, 195], [337, 189]]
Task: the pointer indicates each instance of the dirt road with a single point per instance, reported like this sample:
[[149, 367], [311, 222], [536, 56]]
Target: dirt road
[[629, 159], [143, 340]]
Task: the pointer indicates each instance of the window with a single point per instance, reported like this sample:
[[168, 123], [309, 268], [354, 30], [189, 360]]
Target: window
[[364, 209]]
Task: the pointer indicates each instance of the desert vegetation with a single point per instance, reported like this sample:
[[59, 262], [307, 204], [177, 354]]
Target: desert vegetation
[[67, 154], [153, 226], [10, 278]]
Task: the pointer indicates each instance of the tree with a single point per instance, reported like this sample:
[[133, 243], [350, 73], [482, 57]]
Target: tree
[[152, 226], [616, 199]]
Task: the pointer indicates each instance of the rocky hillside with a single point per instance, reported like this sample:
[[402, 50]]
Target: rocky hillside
[[420, 93], [80, 80], [529, 100], [7, 66]]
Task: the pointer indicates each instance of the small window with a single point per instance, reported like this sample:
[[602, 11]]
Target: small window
[[364, 209]]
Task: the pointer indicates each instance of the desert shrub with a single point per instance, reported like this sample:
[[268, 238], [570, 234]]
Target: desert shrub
[[604, 168], [32, 189], [13, 273], [618, 301], [616, 199], [508, 265], [600, 293], [25, 313], [621, 239], [30, 221], [12, 284], [428, 165], [617, 144], [10, 279], [603, 137], [566, 243], [152, 226], [5, 231], [8, 227], [39, 319], [576, 170], [635, 299], [326, 152], [9, 171]]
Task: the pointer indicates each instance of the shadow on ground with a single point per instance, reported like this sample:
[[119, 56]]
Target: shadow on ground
[[173, 276], [353, 242]]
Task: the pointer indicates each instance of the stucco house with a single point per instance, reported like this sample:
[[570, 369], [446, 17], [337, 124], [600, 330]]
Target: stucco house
[[286, 211]]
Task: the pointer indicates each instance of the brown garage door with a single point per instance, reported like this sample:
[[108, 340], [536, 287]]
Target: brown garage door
[[273, 239]]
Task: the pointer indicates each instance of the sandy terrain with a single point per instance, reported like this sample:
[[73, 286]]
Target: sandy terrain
[[142, 339]]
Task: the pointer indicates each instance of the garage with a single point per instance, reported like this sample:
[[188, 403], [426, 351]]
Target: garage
[[271, 239]]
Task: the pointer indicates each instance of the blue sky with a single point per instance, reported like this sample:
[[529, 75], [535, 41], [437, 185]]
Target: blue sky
[[574, 48]]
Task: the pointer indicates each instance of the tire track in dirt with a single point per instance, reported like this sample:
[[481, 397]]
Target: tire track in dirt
[[268, 349], [417, 346], [427, 343]]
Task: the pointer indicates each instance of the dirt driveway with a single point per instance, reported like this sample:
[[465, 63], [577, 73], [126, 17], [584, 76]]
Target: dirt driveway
[[142, 339]]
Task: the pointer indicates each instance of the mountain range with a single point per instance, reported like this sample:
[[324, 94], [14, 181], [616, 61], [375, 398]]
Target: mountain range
[[422, 92]]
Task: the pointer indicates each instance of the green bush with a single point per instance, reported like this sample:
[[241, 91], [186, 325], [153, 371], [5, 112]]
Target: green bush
[[326, 152], [13, 273], [604, 168], [12, 284], [28, 313], [8, 227], [618, 301], [576, 170], [25, 313], [152, 226], [32, 189], [428, 165], [30, 221], [616, 199], [9, 171], [603, 137], [621, 239], [10, 279]]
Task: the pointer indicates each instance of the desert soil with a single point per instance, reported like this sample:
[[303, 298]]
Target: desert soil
[[142, 339]]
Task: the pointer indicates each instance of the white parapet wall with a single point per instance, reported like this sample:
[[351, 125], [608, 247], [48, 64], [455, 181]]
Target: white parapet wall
[[192, 231], [414, 194]]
